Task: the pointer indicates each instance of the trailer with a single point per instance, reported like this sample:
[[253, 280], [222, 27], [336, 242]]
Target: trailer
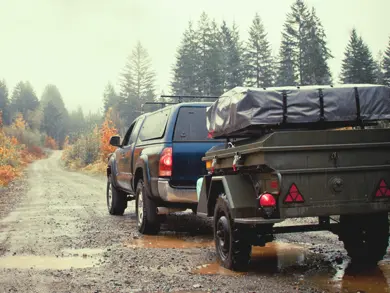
[[267, 173]]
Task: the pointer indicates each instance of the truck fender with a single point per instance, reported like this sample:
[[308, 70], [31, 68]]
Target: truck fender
[[112, 169], [239, 191], [141, 170]]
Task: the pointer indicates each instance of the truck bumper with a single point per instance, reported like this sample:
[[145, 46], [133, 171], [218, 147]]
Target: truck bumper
[[176, 195]]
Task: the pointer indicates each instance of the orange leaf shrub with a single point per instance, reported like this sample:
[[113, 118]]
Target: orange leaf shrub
[[51, 143], [13, 154], [107, 130]]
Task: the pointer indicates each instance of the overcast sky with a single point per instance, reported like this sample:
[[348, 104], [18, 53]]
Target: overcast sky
[[80, 45]]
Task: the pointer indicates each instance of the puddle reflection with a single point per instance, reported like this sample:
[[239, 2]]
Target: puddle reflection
[[350, 278], [167, 241]]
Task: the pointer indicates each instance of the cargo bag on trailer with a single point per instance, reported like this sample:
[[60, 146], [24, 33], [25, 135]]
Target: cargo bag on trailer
[[242, 112]]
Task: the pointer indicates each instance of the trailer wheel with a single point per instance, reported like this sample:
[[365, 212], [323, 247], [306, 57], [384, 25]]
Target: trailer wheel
[[231, 243], [365, 237]]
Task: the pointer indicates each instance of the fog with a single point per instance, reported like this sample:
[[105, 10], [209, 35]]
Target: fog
[[80, 45]]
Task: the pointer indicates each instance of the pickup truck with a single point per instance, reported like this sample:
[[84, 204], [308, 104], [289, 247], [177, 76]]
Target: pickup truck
[[298, 170], [158, 163]]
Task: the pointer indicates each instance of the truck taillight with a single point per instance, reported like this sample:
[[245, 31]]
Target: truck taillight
[[165, 166], [383, 189], [294, 196]]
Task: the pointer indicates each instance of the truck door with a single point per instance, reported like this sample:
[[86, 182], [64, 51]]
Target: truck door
[[125, 172]]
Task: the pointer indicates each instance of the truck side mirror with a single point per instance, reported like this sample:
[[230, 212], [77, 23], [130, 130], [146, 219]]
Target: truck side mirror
[[115, 141]]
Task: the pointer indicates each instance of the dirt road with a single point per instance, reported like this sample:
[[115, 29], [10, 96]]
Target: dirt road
[[56, 236]]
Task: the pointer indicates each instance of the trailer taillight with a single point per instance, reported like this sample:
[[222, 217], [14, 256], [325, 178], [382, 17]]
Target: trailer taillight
[[165, 165], [293, 196], [383, 189], [267, 200]]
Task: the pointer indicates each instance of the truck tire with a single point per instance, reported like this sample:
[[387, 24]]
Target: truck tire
[[116, 199], [148, 221], [231, 242], [365, 237]]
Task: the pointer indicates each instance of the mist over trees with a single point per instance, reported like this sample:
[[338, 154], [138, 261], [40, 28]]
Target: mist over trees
[[210, 59]]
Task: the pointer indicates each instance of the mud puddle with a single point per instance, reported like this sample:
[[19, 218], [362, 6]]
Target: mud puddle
[[70, 258], [269, 259], [169, 241], [349, 278]]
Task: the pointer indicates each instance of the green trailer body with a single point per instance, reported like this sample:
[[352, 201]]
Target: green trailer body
[[309, 173]]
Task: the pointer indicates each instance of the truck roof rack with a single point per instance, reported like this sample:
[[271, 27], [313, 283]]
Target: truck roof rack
[[180, 100]]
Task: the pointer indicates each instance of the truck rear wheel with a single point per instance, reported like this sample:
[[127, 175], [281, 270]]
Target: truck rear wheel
[[365, 237], [148, 221], [116, 199], [231, 243]]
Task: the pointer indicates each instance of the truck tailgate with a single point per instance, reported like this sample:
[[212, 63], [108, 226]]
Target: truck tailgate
[[190, 143], [187, 162]]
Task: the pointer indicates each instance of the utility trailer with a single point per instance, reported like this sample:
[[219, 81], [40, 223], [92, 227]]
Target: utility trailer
[[267, 173]]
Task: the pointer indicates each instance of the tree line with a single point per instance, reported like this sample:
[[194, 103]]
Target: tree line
[[47, 115], [212, 59]]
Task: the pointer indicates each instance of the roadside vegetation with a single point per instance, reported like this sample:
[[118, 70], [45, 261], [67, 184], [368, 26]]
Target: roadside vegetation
[[19, 146], [90, 151]]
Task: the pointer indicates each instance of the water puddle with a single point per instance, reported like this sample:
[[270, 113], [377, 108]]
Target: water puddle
[[45, 262], [352, 279], [168, 241], [271, 258], [68, 258]]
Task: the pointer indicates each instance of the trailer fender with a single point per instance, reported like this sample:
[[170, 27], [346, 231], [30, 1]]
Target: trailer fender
[[239, 191]]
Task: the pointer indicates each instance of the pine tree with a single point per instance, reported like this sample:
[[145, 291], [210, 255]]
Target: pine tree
[[386, 66], [186, 68], [210, 78], [317, 70], [379, 72], [4, 103], [110, 98], [23, 100], [358, 65], [55, 115], [293, 55], [137, 84], [258, 58]]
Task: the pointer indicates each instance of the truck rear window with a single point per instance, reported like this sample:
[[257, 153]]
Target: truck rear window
[[191, 125]]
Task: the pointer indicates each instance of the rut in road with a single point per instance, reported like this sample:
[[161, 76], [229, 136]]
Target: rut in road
[[60, 238]]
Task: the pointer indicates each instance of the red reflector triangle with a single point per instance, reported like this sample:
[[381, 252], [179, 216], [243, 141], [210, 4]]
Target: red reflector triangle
[[288, 198], [299, 198], [388, 192], [383, 184], [383, 190], [293, 189], [378, 193]]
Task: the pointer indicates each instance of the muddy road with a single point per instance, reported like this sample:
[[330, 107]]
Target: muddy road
[[56, 236]]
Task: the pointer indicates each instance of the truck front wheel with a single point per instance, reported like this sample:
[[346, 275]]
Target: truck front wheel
[[148, 221], [365, 237], [231, 242]]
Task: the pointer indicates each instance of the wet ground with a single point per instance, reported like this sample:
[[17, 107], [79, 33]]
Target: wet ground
[[56, 236]]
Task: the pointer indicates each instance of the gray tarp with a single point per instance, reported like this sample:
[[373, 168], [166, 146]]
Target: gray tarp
[[242, 108]]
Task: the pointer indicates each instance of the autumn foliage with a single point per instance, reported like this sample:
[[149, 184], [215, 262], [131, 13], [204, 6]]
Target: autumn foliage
[[51, 143], [91, 150], [13, 154]]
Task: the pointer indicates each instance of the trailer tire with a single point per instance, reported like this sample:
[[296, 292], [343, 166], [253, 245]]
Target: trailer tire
[[148, 222], [116, 198], [231, 242], [365, 237]]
